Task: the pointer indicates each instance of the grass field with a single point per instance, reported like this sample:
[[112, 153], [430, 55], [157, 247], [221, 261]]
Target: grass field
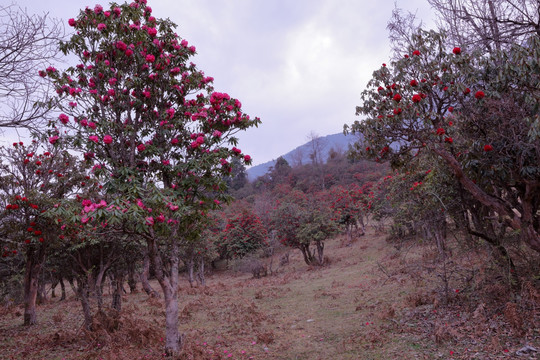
[[371, 302]]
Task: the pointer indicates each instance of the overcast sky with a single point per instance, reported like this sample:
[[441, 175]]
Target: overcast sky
[[299, 65]]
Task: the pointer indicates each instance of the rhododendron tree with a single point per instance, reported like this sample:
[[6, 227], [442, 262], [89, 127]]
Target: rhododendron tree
[[244, 233], [153, 127], [459, 103], [34, 177], [305, 223], [350, 207]]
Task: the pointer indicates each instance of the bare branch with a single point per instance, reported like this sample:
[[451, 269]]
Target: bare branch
[[27, 43]]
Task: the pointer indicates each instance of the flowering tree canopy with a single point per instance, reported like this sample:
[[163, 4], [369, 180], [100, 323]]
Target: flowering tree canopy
[[158, 135], [479, 114]]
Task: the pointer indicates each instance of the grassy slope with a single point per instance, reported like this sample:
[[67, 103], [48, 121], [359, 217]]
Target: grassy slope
[[371, 302]]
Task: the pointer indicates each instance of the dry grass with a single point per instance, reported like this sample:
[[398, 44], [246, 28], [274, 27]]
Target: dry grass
[[371, 302]]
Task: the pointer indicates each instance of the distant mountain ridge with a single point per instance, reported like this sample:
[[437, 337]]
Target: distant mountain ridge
[[301, 154]]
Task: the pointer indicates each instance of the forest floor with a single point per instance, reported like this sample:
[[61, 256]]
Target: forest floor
[[374, 300]]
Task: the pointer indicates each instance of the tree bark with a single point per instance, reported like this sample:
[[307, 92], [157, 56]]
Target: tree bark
[[148, 289], [200, 273], [83, 292], [34, 262], [132, 282], [168, 280], [521, 222], [190, 269], [63, 289], [117, 292]]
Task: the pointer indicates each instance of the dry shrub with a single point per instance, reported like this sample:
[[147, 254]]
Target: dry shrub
[[416, 299], [154, 302], [387, 312], [496, 292], [190, 308], [512, 316], [6, 310], [265, 337], [443, 333], [58, 318], [530, 294], [259, 294]]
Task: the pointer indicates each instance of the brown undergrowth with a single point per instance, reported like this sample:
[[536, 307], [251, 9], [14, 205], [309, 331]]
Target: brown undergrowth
[[372, 302]]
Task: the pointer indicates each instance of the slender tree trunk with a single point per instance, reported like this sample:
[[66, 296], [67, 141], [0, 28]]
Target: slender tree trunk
[[41, 294], [520, 222], [148, 289], [132, 282], [190, 266], [320, 252], [83, 293], [30, 293], [200, 274], [63, 289], [168, 280], [73, 287], [117, 292], [53, 286], [34, 262]]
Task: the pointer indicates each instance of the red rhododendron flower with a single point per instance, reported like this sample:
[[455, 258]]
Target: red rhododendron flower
[[150, 58], [448, 140], [152, 31], [63, 118], [53, 139], [107, 139], [141, 147], [416, 52], [440, 131], [72, 22], [450, 108], [414, 83], [93, 138], [397, 97], [416, 98], [479, 94], [457, 50], [466, 91], [101, 27], [488, 147]]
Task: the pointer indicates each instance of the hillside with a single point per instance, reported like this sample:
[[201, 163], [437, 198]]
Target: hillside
[[301, 154], [371, 302]]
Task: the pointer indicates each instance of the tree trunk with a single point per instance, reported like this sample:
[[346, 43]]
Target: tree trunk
[[168, 280], [74, 288], [320, 252], [41, 294], [34, 263], [83, 292], [190, 266], [53, 286], [132, 282], [118, 290], [63, 289], [148, 289], [200, 273], [520, 222], [30, 293]]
